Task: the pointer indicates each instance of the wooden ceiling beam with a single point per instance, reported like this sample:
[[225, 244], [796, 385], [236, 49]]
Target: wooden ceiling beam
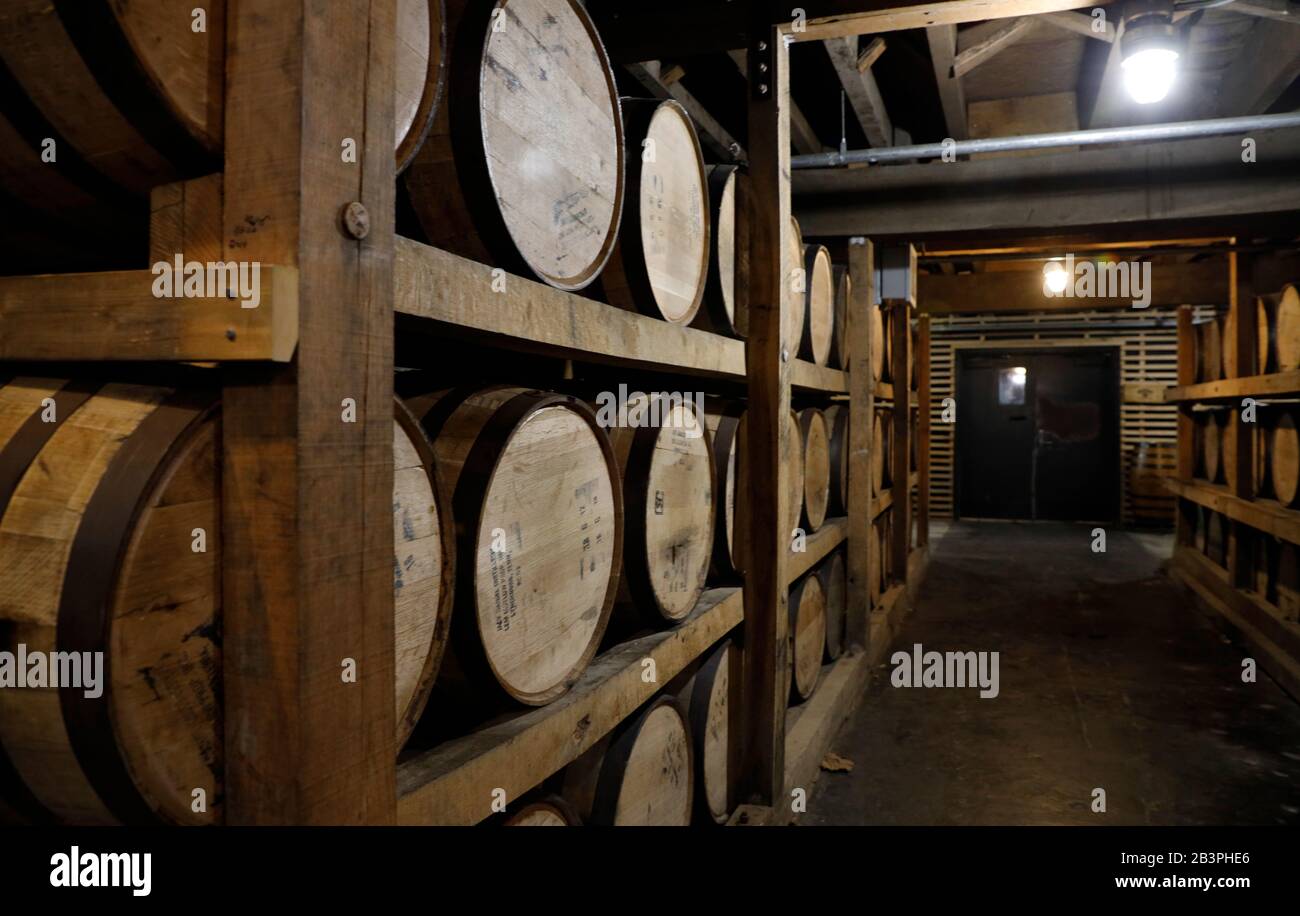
[[870, 17], [1269, 64], [871, 54], [860, 86], [1005, 33], [1082, 24], [712, 134], [1278, 10], [647, 31], [943, 53]]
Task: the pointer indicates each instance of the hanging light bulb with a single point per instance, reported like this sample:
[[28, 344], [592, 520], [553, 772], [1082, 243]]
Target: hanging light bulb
[[1150, 50], [1150, 74], [1055, 277]]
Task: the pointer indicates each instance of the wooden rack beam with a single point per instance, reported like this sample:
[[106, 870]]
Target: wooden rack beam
[[809, 377], [1277, 384], [453, 784], [1263, 514], [116, 316], [817, 547], [1276, 640], [812, 726], [457, 294]]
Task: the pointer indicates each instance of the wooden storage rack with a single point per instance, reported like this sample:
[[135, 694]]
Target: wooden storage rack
[[1231, 591], [307, 580]]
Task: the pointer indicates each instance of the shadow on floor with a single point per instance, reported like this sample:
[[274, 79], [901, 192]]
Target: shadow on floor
[[1110, 677]]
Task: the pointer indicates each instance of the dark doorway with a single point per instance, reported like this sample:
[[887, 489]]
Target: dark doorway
[[1038, 434]]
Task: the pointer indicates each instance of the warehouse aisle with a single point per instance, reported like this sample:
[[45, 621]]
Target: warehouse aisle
[[1108, 677]]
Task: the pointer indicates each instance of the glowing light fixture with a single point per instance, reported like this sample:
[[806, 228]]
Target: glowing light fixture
[[1055, 277], [1150, 50]]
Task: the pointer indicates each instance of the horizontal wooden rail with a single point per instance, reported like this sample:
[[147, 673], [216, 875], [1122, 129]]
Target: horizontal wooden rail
[[817, 546], [811, 726], [475, 300], [1264, 514], [115, 315], [1276, 639], [505, 310], [811, 377], [453, 784], [1277, 384]]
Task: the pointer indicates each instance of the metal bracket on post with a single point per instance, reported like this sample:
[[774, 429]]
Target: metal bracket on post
[[761, 20]]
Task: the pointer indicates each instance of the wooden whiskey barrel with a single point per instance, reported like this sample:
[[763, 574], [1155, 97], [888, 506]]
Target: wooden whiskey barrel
[[524, 165], [819, 306], [843, 297], [816, 467], [1228, 339], [549, 811], [424, 569], [668, 478], [807, 634], [1213, 424], [642, 775], [1278, 317], [539, 531], [728, 255], [1284, 459], [660, 266], [837, 425], [725, 420], [1284, 334], [798, 301], [110, 542], [708, 703], [99, 511], [1228, 456], [835, 586], [133, 95], [879, 348], [1209, 350]]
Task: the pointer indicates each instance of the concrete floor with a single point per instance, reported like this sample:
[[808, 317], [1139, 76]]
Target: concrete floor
[[1110, 677]]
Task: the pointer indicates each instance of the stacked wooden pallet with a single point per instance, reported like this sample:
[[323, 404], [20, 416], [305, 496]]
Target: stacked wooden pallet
[[1239, 466]]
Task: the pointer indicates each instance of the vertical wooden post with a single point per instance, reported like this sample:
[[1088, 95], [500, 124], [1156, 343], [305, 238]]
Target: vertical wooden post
[[1241, 436], [769, 447], [307, 530], [923, 432], [900, 324], [1187, 512], [862, 397]]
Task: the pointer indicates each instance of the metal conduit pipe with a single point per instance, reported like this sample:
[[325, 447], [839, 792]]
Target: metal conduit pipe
[[1146, 133]]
